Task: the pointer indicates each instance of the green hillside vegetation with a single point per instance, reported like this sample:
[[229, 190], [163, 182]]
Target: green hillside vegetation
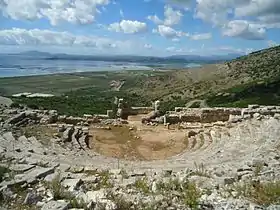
[[77, 103], [266, 93], [259, 65]]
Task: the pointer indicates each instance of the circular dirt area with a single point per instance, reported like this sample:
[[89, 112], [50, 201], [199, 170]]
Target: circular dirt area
[[138, 142]]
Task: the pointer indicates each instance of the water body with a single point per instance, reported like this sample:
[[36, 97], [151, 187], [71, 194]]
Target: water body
[[17, 65]]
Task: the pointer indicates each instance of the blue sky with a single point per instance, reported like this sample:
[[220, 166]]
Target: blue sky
[[139, 27]]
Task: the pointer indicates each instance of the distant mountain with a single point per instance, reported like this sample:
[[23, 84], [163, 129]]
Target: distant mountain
[[132, 58], [35, 53], [208, 58], [146, 59]]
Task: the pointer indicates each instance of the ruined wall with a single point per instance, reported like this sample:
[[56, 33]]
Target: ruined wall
[[209, 115], [218, 114], [141, 110], [204, 115], [86, 118]]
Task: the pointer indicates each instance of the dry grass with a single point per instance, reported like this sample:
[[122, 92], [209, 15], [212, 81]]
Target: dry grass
[[200, 170], [261, 193]]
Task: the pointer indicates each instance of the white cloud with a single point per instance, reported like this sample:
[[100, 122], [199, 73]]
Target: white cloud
[[171, 17], [175, 40], [56, 11], [170, 49], [267, 12], [214, 11], [53, 41], [272, 43], [128, 27], [244, 29], [201, 36], [169, 32], [121, 13], [229, 49], [258, 8], [147, 46], [155, 19], [17, 36], [257, 15], [203, 51], [182, 3]]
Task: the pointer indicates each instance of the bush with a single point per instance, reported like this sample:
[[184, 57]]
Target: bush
[[33, 106], [15, 105], [266, 93], [3, 171], [142, 185]]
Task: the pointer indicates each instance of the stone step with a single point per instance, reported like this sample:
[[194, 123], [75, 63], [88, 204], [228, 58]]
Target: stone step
[[207, 141], [198, 142], [191, 142]]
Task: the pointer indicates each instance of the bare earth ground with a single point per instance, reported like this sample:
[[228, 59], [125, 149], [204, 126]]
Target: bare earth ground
[[138, 142]]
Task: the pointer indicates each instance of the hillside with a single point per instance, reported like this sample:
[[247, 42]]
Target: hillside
[[259, 65], [259, 78], [248, 79]]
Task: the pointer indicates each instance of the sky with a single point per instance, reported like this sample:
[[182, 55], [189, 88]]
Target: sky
[[139, 27]]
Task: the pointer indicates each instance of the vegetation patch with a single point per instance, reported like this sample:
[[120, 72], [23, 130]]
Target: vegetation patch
[[142, 185], [59, 192], [3, 172], [266, 93], [188, 192], [261, 193]]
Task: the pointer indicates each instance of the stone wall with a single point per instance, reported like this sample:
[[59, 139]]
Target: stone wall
[[86, 118], [141, 110], [208, 115]]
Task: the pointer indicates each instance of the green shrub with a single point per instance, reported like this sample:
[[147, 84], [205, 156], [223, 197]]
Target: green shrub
[[3, 171], [15, 105], [142, 185]]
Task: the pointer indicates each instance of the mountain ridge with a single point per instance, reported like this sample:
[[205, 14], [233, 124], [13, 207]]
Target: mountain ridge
[[136, 58]]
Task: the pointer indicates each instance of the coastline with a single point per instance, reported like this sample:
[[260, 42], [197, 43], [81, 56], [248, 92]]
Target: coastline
[[17, 72]]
